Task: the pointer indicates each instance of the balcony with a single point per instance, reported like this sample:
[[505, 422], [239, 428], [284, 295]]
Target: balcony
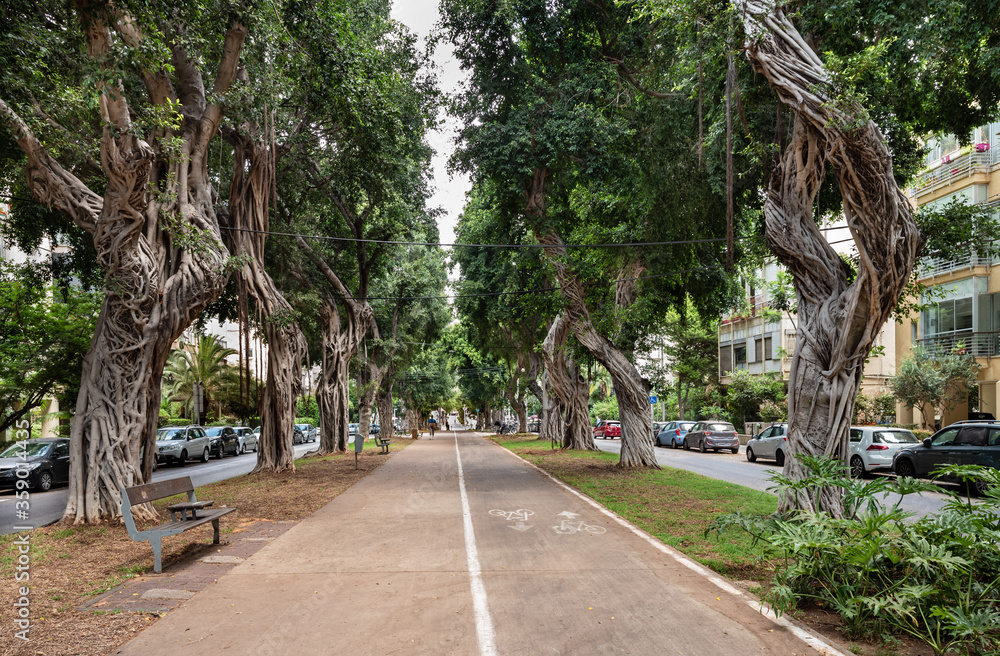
[[957, 168], [978, 345], [936, 266]]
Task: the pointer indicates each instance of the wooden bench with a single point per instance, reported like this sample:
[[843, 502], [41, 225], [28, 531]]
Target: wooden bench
[[382, 442], [183, 516]]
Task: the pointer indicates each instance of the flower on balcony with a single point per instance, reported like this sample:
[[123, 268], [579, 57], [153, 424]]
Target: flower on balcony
[[982, 147], [946, 159]]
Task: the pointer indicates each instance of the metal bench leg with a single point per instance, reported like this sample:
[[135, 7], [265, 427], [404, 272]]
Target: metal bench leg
[[157, 563], [215, 525]]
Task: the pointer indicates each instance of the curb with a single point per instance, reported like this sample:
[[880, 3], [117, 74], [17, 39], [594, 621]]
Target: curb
[[802, 632]]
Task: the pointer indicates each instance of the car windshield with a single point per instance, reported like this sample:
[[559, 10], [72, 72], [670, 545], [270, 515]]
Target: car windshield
[[302, 427], [614, 423], [213, 432], [896, 437], [165, 434], [719, 427], [686, 425], [27, 450]]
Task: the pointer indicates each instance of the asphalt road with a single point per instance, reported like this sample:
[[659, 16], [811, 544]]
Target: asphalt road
[[47, 507], [734, 468]]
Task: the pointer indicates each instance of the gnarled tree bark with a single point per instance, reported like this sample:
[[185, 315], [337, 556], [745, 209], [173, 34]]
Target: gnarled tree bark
[[569, 386], [161, 254], [253, 170], [838, 319]]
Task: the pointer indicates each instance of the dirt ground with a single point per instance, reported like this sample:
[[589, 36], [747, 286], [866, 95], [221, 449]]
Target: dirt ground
[[71, 565]]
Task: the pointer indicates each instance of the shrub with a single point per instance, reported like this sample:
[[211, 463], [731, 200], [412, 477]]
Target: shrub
[[936, 578]]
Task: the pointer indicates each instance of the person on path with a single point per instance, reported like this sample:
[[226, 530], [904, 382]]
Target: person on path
[[431, 425]]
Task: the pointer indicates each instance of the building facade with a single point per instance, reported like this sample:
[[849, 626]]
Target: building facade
[[965, 310]]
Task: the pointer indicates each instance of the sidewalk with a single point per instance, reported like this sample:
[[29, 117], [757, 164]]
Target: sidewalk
[[385, 569]]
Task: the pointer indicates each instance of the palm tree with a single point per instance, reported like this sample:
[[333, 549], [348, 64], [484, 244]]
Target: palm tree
[[204, 363]]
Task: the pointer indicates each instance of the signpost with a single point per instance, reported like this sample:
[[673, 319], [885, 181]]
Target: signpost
[[652, 409]]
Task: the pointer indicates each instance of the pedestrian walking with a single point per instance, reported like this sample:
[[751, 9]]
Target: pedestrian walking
[[431, 425]]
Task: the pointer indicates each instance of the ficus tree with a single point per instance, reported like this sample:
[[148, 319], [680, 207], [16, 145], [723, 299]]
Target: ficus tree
[[115, 115]]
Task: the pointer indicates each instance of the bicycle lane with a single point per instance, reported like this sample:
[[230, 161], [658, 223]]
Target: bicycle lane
[[561, 577]]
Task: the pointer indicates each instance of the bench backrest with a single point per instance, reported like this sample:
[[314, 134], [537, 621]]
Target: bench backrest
[[159, 490], [140, 494]]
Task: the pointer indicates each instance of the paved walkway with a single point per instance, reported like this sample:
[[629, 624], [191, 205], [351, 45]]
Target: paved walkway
[[418, 559]]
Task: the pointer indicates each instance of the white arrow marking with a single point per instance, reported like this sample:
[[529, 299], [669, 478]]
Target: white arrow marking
[[520, 526], [567, 514]]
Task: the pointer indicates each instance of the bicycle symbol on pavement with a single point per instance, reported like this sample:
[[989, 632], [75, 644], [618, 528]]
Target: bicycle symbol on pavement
[[566, 527], [519, 515]]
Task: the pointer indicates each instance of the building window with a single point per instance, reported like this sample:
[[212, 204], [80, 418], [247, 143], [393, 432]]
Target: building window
[[768, 353], [726, 359], [740, 355], [758, 347]]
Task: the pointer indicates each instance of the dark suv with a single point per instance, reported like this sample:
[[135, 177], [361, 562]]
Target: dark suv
[[964, 443], [223, 440]]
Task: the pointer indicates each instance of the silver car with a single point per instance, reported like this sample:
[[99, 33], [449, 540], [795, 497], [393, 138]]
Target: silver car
[[248, 439], [771, 443], [182, 443], [873, 447], [308, 432]]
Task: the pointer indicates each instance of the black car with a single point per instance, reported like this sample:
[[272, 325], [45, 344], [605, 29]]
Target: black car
[[46, 460], [223, 440], [964, 443]]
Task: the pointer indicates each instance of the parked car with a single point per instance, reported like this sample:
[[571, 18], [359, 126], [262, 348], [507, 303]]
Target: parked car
[[222, 440], [873, 447], [673, 432], [715, 435], [966, 443], [607, 428], [770, 443], [657, 427], [308, 431], [298, 437], [46, 459], [248, 438], [178, 444], [353, 429], [374, 429]]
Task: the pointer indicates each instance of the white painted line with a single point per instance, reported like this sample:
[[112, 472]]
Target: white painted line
[[484, 624], [807, 636]]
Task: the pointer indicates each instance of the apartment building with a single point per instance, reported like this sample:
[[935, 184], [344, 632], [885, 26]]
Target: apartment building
[[966, 310]]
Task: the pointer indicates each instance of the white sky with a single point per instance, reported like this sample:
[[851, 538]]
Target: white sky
[[449, 192]]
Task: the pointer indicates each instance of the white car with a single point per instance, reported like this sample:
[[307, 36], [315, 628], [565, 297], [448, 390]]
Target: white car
[[182, 443], [771, 443], [873, 447]]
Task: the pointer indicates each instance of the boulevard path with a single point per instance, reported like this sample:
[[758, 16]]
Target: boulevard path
[[456, 546]]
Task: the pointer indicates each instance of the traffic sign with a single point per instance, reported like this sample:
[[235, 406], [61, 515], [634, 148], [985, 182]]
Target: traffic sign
[[652, 400]]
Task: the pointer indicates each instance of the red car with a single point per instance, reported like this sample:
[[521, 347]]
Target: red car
[[607, 429]]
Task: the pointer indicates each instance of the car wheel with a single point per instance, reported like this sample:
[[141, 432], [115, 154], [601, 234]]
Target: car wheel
[[857, 467], [702, 447], [779, 458], [687, 444], [750, 455], [222, 452], [44, 481], [204, 455], [736, 449], [905, 468], [183, 460], [255, 446], [980, 487], [242, 449], [673, 444]]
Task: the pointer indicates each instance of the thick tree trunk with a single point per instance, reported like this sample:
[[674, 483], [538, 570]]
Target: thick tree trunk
[[253, 170], [157, 279], [517, 404], [569, 386], [839, 319], [339, 346], [631, 389], [552, 427], [384, 403]]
